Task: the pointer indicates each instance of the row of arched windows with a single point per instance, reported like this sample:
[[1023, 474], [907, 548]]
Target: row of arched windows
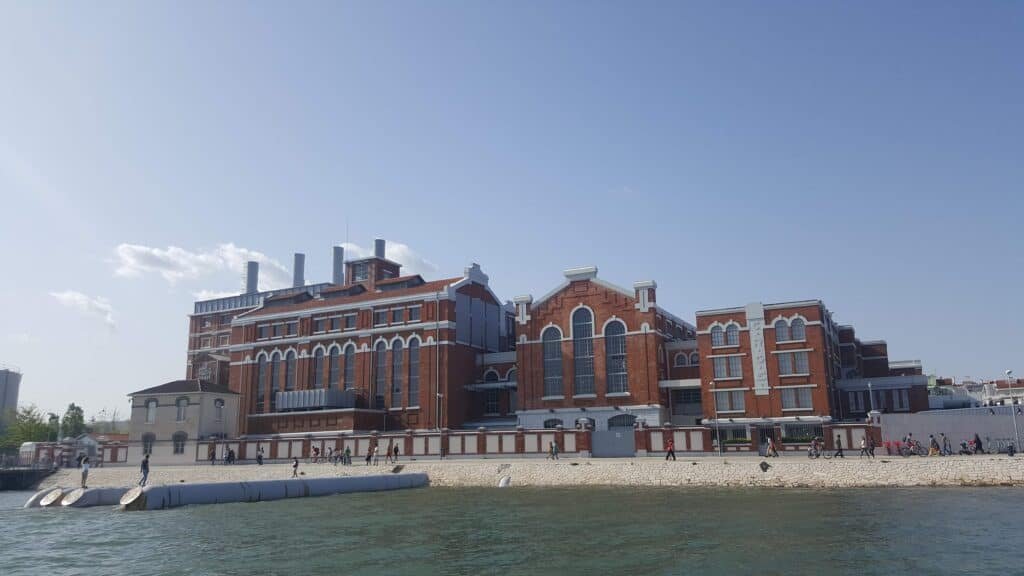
[[616, 373], [340, 377], [790, 331], [684, 359], [728, 336]]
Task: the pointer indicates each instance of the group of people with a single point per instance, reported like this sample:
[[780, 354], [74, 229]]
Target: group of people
[[229, 457], [390, 454], [939, 446]]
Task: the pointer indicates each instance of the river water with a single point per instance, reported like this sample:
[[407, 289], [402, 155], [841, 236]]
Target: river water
[[535, 531]]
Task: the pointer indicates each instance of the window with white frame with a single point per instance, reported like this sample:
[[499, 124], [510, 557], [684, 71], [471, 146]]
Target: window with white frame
[[275, 370], [397, 372], [797, 330], [781, 330], [681, 359], [796, 398], [292, 328], [223, 340], [732, 335], [289, 370], [147, 442], [360, 272], [218, 410], [414, 372], [793, 363], [318, 369], [182, 405], [319, 325], [262, 332], [583, 351], [380, 380], [178, 439], [350, 322], [350, 366], [729, 401], [261, 382], [728, 366], [717, 336], [380, 317], [151, 405], [335, 324], [616, 374], [397, 316], [205, 342], [695, 359], [414, 314], [552, 344], [491, 402]]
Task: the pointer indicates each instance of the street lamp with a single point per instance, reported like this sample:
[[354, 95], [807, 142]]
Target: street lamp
[[871, 397], [439, 413], [1013, 409], [718, 428]]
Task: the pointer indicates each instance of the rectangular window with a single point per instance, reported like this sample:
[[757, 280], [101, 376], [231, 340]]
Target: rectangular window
[[319, 325], [263, 332], [796, 398], [278, 330], [204, 342], [207, 322], [728, 366], [901, 400], [736, 366], [150, 411], [856, 401], [491, 402], [292, 328], [414, 314], [730, 401], [223, 340], [350, 322], [360, 272], [791, 363], [335, 323], [397, 316], [380, 317]]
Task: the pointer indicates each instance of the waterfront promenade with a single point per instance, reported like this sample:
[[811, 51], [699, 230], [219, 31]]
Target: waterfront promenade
[[790, 471]]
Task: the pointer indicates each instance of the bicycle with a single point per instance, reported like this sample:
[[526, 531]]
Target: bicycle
[[814, 453]]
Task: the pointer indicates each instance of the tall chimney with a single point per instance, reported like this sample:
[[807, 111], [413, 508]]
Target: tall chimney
[[338, 272], [378, 247], [299, 271], [252, 277]]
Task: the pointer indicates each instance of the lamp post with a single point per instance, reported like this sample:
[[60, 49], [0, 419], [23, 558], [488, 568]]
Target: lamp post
[[439, 413], [718, 427], [1013, 409], [871, 397]]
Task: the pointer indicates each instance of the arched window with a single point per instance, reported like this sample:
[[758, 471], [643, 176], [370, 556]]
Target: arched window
[[491, 376], [552, 423], [513, 401], [350, 366], [380, 380], [732, 335], [781, 331], [151, 405], [261, 382], [397, 372], [289, 371], [583, 351], [182, 405], [681, 359], [275, 369], [615, 358], [218, 409], [318, 368], [512, 375], [797, 330], [621, 421], [179, 438], [414, 372], [147, 442], [552, 340], [717, 336], [695, 359]]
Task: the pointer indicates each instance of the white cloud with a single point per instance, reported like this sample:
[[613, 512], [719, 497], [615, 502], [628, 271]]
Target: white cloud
[[412, 262], [174, 264], [212, 294], [23, 338], [98, 307]]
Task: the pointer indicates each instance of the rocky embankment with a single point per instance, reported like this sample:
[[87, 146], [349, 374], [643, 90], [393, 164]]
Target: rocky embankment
[[703, 471]]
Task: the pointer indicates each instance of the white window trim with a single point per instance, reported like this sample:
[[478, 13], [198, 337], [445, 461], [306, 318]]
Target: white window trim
[[790, 342], [591, 395], [810, 409], [730, 389], [800, 375], [793, 350], [545, 398], [725, 346], [416, 407], [796, 386], [617, 394], [726, 355], [726, 378], [731, 411]]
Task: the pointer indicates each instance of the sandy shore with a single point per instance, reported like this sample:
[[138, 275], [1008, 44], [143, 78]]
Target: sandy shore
[[703, 471]]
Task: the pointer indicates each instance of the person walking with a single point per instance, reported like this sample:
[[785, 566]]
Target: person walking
[[144, 468], [947, 449], [295, 467], [85, 470], [369, 455], [212, 456], [347, 456], [933, 445], [376, 455], [387, 454], [871, 445], [772, 450], [554, 450], [394, 457], [839, 448], [977, 444], [259, 456], [670, 449], [863, 448]]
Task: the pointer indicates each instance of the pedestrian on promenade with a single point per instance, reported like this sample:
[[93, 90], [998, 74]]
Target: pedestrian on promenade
[[387, 454], [977, 444], [554, 450], [347, 456], [394, 457], [871, 445], [933, 445], [773, 452], [839, 448], [295, 467], [212, 456], [259, 456], [863, 448], [85, 470], [670, 449], [947, 449], [145, 470], [376, 455], [369, 455]]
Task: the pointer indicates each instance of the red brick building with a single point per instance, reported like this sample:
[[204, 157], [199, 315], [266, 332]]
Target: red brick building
[[590, 352]]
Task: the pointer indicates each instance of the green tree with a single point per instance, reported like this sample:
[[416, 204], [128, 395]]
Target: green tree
[[73, 423], [28, 425]]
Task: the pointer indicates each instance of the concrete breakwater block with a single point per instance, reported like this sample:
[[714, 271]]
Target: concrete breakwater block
[[172, 496], [52, 498], [35, 499], [86, 497]]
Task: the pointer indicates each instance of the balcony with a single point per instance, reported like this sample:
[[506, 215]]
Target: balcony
[[317, 399]]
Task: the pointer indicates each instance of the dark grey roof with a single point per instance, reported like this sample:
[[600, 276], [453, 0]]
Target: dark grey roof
[[185, 387]]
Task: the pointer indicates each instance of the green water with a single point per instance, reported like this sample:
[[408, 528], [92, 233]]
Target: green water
[[535, 531]]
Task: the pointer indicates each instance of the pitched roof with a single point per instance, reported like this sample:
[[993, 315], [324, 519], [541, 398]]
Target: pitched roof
[[185, 387], [369, 296]]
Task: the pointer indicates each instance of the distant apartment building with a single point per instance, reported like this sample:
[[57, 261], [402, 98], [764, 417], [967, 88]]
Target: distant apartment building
[[10, 385]]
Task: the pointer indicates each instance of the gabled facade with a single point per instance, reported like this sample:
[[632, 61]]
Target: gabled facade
[[592, 352]]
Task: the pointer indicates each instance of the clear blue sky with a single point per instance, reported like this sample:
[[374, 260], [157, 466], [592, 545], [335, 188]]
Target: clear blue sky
[[867, 154]]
